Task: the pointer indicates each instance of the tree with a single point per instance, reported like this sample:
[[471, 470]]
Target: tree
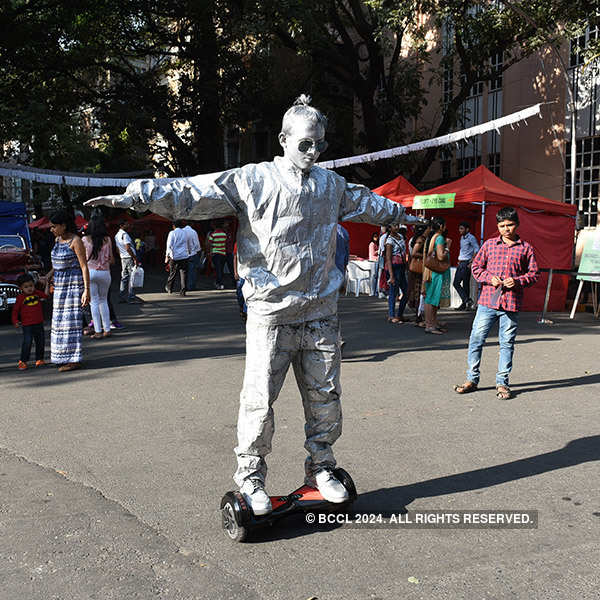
[[139, 77], [360, 44], [119, 84]]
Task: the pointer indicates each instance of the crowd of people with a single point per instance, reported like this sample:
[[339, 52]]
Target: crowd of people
[[410, 273], [404, 277], [79, 279], [417, 274]]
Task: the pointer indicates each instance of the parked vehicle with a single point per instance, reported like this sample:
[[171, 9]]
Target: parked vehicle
[[16, 256]]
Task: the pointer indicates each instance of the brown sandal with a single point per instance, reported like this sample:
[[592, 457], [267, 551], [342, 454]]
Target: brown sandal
[[96, 336], [466, 388], [503, 392], [393, 320], [69, 367]]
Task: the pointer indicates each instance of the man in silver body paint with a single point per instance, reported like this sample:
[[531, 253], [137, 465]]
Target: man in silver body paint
[[288, 211]]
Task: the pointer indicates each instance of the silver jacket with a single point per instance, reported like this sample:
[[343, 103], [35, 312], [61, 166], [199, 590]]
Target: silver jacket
[[287, 228]]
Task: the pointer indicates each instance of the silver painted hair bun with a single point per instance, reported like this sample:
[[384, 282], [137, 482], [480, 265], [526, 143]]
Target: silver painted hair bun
[[302, 108], [303, 100]]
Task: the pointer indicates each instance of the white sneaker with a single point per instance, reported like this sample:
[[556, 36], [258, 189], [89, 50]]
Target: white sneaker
[[254, 492], [331, 489]]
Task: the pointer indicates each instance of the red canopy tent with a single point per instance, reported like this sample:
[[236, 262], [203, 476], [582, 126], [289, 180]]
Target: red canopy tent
[[548, 225], [360, 233]]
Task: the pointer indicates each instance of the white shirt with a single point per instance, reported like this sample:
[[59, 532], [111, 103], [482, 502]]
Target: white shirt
[[193, 238], [122, 238], [178, 245], [381, 250]]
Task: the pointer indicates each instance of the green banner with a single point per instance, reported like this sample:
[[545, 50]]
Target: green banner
[[590, 258], [434, 201]]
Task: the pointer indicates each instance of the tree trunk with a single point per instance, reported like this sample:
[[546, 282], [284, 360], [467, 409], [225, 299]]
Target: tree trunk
[[206, 125]]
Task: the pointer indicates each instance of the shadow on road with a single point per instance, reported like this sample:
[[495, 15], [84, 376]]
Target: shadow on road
[[553, 384], [394, 500], [349, 356]]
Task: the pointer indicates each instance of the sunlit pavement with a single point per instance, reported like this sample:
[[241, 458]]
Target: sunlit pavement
[[111, 476]]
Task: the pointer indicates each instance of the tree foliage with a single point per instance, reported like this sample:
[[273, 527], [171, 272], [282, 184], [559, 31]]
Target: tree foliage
[[139, 78], [119, 85], [378, 48]]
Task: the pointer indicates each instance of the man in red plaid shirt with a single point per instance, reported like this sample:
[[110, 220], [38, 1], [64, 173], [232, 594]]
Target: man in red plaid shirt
[[504, 266]]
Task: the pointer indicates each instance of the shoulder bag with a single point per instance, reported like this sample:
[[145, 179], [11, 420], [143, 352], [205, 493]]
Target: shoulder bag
[[432, 262]]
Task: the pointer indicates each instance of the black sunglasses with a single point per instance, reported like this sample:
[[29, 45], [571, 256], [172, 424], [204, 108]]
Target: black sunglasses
[[306, 145]]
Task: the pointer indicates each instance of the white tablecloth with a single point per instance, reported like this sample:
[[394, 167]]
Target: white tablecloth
[[364, 270], [455, 301]]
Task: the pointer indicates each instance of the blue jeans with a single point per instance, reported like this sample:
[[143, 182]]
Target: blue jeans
[[31, 333], [507, 332], [239, 284], [400, 284], [218, 261], [127, 265]]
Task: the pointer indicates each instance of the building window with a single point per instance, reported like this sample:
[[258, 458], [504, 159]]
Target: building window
[[494, 106], [467, 164], [446, 163], [448, 84], [469, 153], [579, 45], [494, 163], [447, 37], [476, 90], [587, 178], [496, 62]]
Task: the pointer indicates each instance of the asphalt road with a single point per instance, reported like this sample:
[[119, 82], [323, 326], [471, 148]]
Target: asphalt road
[[111, 477]]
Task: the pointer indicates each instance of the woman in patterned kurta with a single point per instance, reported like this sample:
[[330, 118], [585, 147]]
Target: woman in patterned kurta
[[71, 285]]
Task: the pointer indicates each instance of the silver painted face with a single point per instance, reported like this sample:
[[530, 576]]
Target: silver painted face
[[303, 132]]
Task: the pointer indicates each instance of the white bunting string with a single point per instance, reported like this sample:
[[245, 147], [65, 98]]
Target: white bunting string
[[124, 179], [455, 137], [69, 178]]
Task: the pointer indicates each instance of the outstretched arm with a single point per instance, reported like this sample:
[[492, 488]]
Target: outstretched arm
[[361, 205], [201, 197]]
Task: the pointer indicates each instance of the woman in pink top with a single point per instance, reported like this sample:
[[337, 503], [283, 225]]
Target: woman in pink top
[[374, 247], [374, 258], [98, 248]]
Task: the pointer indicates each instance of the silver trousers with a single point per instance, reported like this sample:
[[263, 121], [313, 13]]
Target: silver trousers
[[313, 350]]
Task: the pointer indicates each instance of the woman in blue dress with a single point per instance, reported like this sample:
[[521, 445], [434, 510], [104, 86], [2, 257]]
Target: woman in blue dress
[[71, 292]]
